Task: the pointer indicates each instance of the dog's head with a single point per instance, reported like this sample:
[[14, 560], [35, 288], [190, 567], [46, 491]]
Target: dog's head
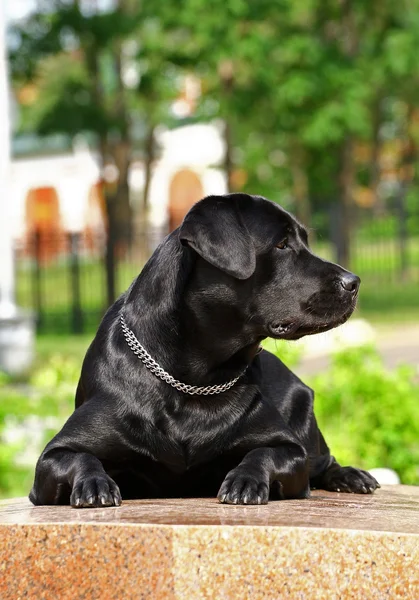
[[253, 257]]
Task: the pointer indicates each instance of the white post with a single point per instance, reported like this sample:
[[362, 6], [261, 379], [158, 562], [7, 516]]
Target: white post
[[16, 327], [7, 305]]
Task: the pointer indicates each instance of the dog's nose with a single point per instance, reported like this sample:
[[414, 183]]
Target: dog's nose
[[350, 282]]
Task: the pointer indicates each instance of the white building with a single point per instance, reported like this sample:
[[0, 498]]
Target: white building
[[61, 192]]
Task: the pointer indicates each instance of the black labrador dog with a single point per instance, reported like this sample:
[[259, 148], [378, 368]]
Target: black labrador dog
[[176, 398]]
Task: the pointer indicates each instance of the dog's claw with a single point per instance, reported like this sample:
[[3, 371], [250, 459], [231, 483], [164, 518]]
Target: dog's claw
[[117, 500], [95, 492], [350, 480], [241, 488]]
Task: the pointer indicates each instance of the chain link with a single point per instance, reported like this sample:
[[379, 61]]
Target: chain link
[[155, 368]]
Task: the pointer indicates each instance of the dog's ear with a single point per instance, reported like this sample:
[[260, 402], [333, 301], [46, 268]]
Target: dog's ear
[[214, 228]]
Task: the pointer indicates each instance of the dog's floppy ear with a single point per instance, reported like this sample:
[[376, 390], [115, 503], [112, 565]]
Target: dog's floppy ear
[[214, 228]]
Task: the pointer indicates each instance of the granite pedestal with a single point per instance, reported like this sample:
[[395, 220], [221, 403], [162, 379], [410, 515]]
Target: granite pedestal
[[333, 546]]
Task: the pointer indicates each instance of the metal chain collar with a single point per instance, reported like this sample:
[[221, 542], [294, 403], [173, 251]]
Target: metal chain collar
[[155, 368]]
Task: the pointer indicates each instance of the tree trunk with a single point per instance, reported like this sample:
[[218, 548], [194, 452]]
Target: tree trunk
[[141, 239], [228, 161], [110, 250], [226, 72], [92, 64], [378, 207], [121, 155], [148, 165], [349, 44], [118, 197], [121, 150], [118, 211], [109, 258], [300, 185], [402, 231], [345, 207], [148, 172], [406, 176]]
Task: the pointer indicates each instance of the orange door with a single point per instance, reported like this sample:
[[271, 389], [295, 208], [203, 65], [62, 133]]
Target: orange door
[[43, 221], [185, 190]]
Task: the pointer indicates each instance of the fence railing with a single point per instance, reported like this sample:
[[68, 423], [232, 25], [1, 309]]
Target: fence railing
[[62, 277]]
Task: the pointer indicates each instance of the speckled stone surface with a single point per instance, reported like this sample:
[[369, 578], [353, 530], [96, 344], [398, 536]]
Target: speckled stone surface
[[333, 546]]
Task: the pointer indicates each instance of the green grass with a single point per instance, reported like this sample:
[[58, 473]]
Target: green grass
[[57, 297], [381, 302], [383, 297], [74, 347], [379, 259]]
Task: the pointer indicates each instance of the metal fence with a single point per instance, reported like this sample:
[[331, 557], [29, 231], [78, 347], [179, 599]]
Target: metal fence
[[62, 277], [385, 244]]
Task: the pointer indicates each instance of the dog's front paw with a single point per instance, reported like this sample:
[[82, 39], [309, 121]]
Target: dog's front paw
[[94, 492], [240, 487], [351, 480]]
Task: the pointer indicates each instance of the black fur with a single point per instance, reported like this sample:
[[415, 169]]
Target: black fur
[[238, 270]]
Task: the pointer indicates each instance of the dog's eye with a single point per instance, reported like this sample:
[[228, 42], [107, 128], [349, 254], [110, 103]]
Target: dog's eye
[[283, 244]]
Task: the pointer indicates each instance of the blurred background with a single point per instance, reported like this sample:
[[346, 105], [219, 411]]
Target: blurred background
[[124, 113]]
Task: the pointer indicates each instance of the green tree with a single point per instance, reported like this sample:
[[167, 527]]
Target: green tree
[[299, 87], [97, 73]]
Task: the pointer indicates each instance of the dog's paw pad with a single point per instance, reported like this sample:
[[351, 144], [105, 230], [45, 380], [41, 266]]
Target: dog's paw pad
[[350, 480], [239, 488], [94, 492]]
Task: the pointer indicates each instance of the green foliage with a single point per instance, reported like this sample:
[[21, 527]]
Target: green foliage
[[370, 415], [14, 477], [296, 82], [76, 61], [289, 352], [30, 414], [389, 304], [63, 90]]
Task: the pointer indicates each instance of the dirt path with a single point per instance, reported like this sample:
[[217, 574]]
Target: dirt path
[[396, 346]]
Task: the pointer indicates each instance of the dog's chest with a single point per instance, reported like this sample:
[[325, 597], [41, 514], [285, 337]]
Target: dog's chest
[[189, 440], [185, 456]]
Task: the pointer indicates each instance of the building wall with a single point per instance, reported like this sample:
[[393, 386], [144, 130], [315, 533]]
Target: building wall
[[62, 192]]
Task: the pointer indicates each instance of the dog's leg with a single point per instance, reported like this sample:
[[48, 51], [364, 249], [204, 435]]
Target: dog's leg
[[285, 468], [69, 471], [60, 472], [335, 478], [345, 479]]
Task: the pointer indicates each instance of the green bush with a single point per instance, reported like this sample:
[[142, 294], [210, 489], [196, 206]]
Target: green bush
[[289, 352], [368, 414], [30, 414]]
